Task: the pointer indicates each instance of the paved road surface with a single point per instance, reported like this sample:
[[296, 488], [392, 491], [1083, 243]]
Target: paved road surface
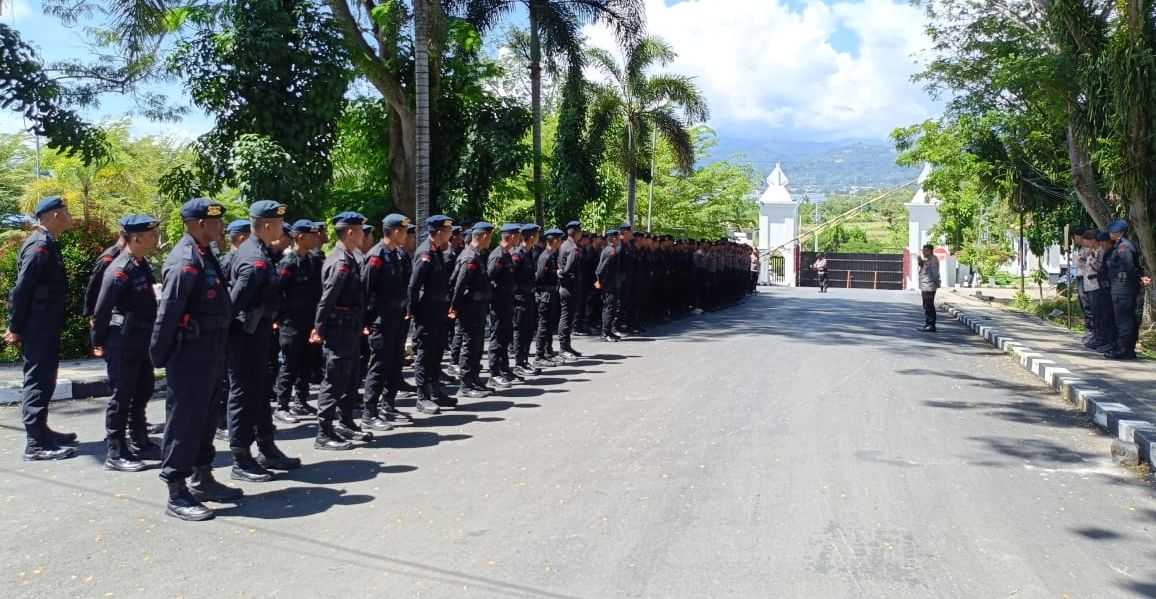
[[797, 446]]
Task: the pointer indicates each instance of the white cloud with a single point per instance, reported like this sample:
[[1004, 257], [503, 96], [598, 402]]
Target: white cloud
[[15, 9], [772, 70]]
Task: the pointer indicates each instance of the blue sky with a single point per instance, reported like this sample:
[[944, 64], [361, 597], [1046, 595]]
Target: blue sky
[[771, 69]]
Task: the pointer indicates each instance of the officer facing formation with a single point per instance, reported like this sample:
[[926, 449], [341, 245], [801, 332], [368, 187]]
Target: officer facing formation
[[35, 321]]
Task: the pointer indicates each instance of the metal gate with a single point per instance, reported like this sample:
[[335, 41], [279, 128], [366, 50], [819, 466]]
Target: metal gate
[[854, 271], [777, 268]]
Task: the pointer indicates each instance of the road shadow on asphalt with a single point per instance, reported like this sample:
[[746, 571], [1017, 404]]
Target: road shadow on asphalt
[[341, 472], [291, 502], [412, 439]]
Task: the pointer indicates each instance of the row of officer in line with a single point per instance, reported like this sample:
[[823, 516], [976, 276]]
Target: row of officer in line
[[1109, 280], [200, 315]]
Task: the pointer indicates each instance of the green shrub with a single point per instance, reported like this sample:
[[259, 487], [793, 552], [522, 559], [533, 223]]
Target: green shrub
[[79, 247]]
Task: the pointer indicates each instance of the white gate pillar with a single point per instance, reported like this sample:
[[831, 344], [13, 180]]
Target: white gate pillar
[[922, 215], [778, 227]]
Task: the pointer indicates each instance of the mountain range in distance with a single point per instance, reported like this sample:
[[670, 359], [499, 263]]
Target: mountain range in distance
[[818, 168]]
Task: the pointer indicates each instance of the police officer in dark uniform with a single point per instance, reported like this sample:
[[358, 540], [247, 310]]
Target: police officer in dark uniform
[[338, 326], [385, 283], [569, 282], [587, 262], [525, 308], [500, 269], [429, 303], [470, 301], [610, 283], [189, 339], [624, 296], [1126, 279], [255, 294], [122, 324], [35, 321], [300, 293], [238, 232], [546, 294], [458, 241], [97, 276]]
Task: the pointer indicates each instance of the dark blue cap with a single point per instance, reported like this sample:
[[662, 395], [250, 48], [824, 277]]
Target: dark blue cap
[[267, 209], [202, 208], [439, 221], [626, 227], [612, 232], [410, 230], [554, 233], [349, 218], [306, 226], [285, 227], [455, 230], [394, 221], [530, 229], [138, 223], [573, 225], [483, 227], [1118, 226], [238, 226], [49, 204], [1103, 237], [367, 228], [511, 229]]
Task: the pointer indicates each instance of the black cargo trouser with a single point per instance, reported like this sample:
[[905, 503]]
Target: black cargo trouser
[[193, 379], [296, 364], [525, 319], [386, 345], [250, 416], [429, 336], [1127, 327], [130, 374], [547, 302], [568, 303], [501, 333]]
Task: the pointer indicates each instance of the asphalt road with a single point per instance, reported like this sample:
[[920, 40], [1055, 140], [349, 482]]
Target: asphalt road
[[799, 445]]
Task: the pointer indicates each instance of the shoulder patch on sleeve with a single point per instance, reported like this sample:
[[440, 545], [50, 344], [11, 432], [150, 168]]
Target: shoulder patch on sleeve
[[106, 259], [189, 268], [374, 262], [425, 257], [260, 264], [43, 250], [285, 272]]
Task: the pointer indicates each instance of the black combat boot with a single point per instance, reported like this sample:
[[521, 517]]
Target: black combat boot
[[183, 505], [204, 487], [120, 458], [328, 440], [348, 429], [270, 457], [46, 450], [246, 468], [142, 446], [60, 438]]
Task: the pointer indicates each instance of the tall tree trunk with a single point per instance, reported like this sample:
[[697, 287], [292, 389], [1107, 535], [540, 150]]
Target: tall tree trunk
[[421, 89], [536, 107], [631, 180], [1084, 175], [402, 157]]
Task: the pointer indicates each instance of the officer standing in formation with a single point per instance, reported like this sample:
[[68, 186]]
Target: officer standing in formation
[[122, 324], [1125, 279], [217, 323], [35, 321], [189, 340]]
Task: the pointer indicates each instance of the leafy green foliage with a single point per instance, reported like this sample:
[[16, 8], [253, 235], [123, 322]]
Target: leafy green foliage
[[274, 74], [25, 87]]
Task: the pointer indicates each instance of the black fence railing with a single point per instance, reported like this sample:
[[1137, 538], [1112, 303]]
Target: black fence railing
[[854, 271]]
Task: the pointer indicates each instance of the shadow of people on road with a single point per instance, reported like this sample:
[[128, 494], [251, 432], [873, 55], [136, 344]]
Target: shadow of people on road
[[291, 502]]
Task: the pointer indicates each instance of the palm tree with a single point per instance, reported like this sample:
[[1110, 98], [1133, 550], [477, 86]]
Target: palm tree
[[639, 103], [556, 26], [422, 101]]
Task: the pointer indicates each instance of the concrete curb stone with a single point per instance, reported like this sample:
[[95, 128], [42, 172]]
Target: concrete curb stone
[[1115, 418], [86, 388]]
